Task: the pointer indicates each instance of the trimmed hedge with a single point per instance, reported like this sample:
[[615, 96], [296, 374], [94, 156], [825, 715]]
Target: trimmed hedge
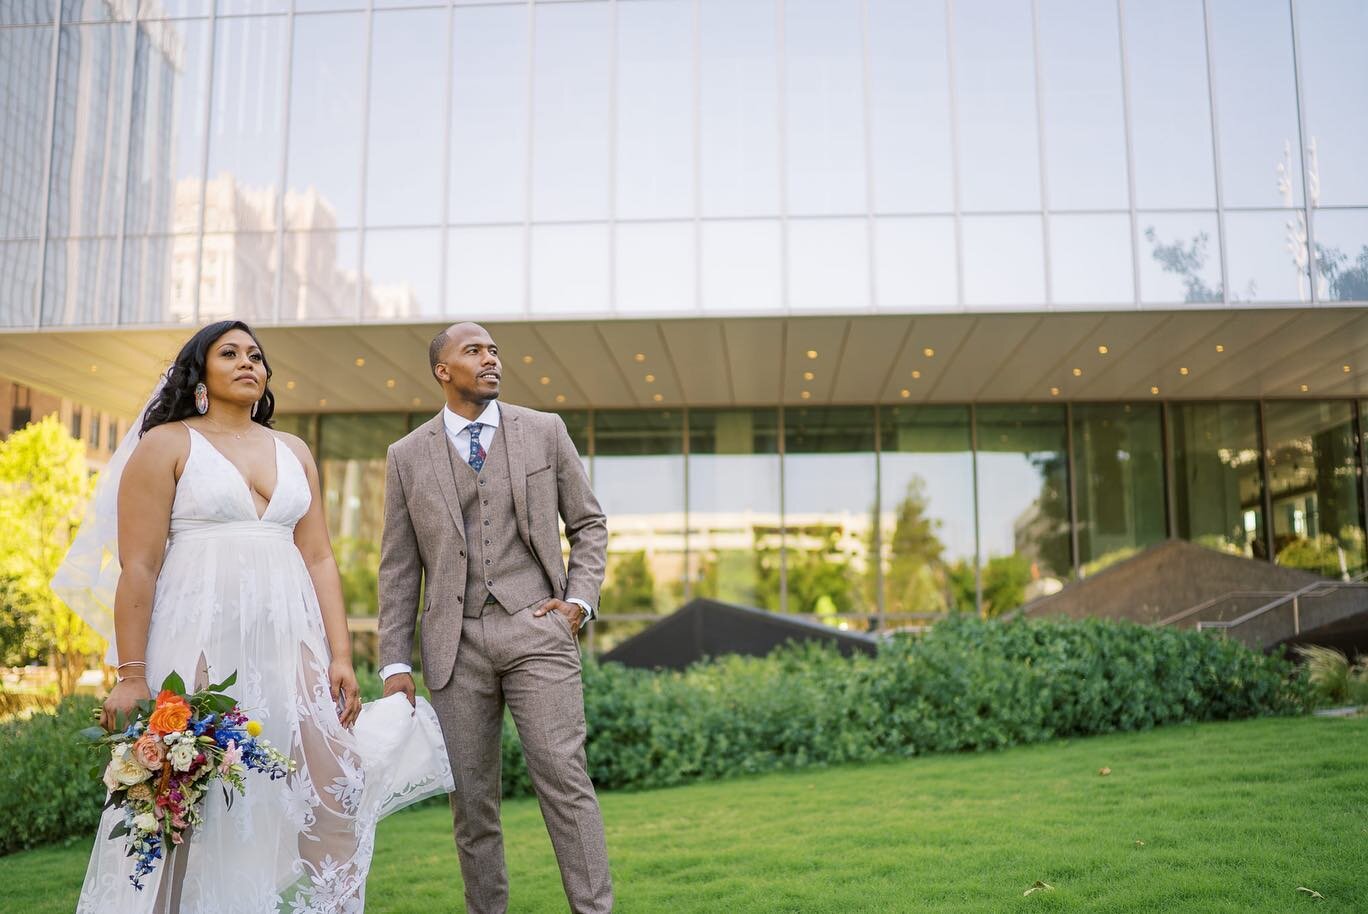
[[967, 685]]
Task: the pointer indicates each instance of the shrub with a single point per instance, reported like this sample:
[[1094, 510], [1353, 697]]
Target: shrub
[[46, 788], [1333, 680]]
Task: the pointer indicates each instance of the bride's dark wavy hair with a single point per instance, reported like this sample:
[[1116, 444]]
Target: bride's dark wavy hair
[[176, 400]]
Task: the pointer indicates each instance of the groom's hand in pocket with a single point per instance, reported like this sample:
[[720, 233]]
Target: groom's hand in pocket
[[400, 682], [573, 612]]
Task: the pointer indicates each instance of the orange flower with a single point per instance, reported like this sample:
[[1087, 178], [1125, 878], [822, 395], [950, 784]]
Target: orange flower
[[171, 714]]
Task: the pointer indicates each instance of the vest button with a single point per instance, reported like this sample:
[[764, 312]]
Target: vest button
[[489, 583], [481, 482], [460, 599], [489, 561], [486, 523], [462, 553]]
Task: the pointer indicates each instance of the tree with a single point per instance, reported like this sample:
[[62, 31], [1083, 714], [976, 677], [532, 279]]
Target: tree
[[631, 586], [1346, 282], [18, 640], [915, 579], [43, 487], [1186, 262]]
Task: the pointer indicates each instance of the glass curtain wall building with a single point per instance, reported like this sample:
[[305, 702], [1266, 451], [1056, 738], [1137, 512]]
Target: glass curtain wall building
[[1082, 274]]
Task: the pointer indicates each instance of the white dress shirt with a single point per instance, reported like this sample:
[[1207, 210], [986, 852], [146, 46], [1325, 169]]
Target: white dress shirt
[[458, 430]]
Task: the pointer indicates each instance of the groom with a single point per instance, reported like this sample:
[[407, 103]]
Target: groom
[[471, 504]]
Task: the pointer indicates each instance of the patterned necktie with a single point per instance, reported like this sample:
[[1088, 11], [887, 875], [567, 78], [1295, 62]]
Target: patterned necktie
[[477, 453]]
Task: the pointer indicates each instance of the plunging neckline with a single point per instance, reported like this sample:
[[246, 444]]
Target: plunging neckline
[[246, 483]]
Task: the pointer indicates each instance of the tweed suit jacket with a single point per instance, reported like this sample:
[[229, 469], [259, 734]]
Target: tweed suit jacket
[[423, 548]]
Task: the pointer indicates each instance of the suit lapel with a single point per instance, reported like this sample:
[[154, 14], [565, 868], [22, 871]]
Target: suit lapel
[[517, 468], [439, 452]]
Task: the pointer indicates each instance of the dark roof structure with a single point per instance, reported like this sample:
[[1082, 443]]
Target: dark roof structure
[[706, 628]]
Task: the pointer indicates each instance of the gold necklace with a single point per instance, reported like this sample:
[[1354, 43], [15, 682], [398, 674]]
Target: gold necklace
[[216, 425]]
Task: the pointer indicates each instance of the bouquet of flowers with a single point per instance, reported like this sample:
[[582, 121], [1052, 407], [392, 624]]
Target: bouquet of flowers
[[168, 757]]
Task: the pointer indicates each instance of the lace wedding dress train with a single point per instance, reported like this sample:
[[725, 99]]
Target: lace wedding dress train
[[234, 594]]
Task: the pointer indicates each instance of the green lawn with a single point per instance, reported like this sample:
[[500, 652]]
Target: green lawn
[[1233, 818]]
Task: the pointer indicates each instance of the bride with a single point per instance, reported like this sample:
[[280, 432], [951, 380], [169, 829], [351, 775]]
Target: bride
[[223, 563]]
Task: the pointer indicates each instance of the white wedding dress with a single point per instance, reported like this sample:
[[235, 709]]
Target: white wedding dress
[[234, 594]]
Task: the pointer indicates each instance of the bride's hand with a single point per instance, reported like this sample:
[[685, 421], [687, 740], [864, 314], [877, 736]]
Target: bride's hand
[[123, 701], [342, 681]]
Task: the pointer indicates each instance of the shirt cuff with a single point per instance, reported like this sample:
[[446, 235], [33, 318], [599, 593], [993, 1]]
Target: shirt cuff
[[393, 669], [588, 610]]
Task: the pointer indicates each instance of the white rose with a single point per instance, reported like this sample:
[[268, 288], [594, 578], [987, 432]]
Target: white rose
[[124, 769], [146, 822], [182, 755]]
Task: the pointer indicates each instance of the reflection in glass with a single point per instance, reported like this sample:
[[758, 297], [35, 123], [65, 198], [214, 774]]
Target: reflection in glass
[[1023, 504], [87, 148], [175, 9], [569, 268], [488, 114], [1170, 109], [351, 468], [829, 507], [909, 107], [995, 86], [655, 266], [407, 91], [1256, 103], [1180, 258], [158, 279], [734, 521], [26, 12], [740, 104], [741, 266], [926, 509], [320, 277], [1119, 459], [79, 284], [1267, 256], [829, 264], [655, 110], [403, 274], [1342, 254], [1003, 260], [249, 79], [570, 110], [1217, 482], [237, 276], [1334, 79], [236, 7], [95, 11], [18, 282], [1314, 481], [485, 272], [1090, 259], [25, 60], [639, 480], [325, 118], [914, 261], [1085, 139], [824, 107]]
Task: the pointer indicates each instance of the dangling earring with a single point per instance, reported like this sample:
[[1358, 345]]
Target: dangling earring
[[254, 408], [201, 398]]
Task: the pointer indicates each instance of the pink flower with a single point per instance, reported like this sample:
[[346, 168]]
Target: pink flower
[[231, 756], [149, 752]]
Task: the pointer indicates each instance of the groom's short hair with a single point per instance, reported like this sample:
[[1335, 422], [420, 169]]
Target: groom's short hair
[[435, 349]]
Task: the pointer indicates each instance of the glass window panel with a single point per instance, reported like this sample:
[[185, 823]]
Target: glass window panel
[[326, 89], [18, 282], [351, 468], [1003, 260], [87, 136], [655, 267], [570, 268], [1342, 255], [314, 6], [1334, 72], [301, 425], [166, 140], [95, 11], [639, 481], [320, 277], [489, 114], [1085, 135], [1313, 477], [824, 110], [910, 107], [926, 509], [1119, 459], [915, 263], [1256, 102], [407, 92], [79, 281], [571, 127], [829, 508], [740, 104], [249, 75], [26, 12], [1170, 108], [1217, 481], [174, 9], [995, 76], [237, 276], [741, 266], [655, 109], [403, 274], [25, 62], [238, 7], [829, 264], [1267, 256], [485, 272], [1090, 259], [734, 519], [1180, 258], [1023, 503], [159, 279]]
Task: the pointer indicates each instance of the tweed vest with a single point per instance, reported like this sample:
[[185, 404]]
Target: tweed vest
[[501, 565]]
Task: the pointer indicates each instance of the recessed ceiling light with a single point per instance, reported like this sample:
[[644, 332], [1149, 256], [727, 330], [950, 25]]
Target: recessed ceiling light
[[360, 362], [390, 383], [640, 356], [94, 368], [1155, 391], [527, 360], [650, 379], [806, 395], [289, 385], [929, 352], [1220, 348], [904, 393], [545, 379], [916, 375], [1078, 372], [1054, 391], [1102, 350], [323, 401], [808, 376], [1345, 368], [658, 397], [812, 353], [1183, 371], [417, 401], [1305, 388], [560, 398]]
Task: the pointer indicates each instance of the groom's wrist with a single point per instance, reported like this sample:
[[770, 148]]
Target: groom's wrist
[[394, 669]]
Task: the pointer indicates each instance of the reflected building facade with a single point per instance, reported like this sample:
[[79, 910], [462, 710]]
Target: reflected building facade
[[323, 165]]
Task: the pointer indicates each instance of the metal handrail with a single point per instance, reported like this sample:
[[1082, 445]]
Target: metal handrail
[[1314, 589], [1359, 578]]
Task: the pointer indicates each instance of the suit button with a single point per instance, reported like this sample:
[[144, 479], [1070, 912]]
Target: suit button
[[462, 553], [485, 503], [481, 482], [486, 542], [489, 583], [460, 599], [486, 523], [489, 562]]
